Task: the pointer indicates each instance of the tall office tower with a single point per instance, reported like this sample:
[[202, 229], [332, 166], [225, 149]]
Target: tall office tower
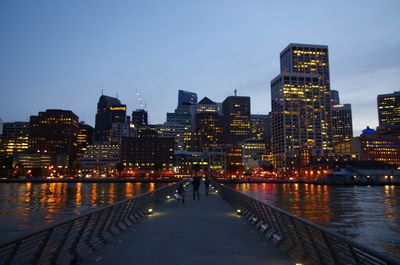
[[186, 98], [342, 123], [335, 100], [54, 132], [140, 118], [301, 106], [207, 124], [259, 124], [15, 137], [179, 124], [85, 137], [109, 111], [389, 110], [236, 111], [1, 126]]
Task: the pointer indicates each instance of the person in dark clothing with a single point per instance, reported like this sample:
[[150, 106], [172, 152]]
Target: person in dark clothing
[[182, 192], [207, 185], [196, 187]]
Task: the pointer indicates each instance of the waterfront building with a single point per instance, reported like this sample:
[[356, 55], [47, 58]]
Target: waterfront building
[[15, 137], [85, 137], [54, 132], [216, 161], [234, 161], [185, 162], [100, 156], [1, 127], [253, 150], [140, 118], [301, 106], [342, 123], [376, 146], [35, 160], [207, 124], [109, 111], [389, 110], [236, 110], [148, 153]]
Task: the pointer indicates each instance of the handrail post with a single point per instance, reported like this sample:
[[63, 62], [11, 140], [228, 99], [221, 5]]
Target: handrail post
[[42, 246], [62, 242]]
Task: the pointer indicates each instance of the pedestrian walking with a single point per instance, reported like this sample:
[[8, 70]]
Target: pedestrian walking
[[196, 186], [207, 185], [181, 193]]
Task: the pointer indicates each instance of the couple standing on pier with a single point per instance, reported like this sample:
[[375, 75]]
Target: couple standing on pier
[[196, 182]]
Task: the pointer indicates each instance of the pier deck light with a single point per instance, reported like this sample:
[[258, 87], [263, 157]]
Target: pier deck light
[[168, 197], [149, 211], [239, 212]]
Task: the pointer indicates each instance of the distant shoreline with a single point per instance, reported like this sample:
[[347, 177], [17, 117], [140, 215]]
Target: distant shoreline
[[172, 180]]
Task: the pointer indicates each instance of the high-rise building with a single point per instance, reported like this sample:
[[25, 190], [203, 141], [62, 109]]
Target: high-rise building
[[15, 137], [342, 123], [1, 126], [54, 132], [301, 105], [236, 111], [186, 98], [148, 152], [259, 126], [389, 109], [207, 124], [109, 111], [181, 124], [140, 118], [335, 100]]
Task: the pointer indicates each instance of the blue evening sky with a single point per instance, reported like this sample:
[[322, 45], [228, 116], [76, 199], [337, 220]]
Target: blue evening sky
[[61, 54]]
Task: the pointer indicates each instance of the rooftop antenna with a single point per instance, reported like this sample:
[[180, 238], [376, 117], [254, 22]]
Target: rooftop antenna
[[117, 94], [102, 92], [235, 92]]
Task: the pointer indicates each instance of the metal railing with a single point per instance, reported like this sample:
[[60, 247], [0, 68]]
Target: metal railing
[[71, 240], [307, 242]]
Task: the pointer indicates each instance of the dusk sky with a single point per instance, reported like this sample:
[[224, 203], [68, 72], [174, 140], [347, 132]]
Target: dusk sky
[[61, 54]]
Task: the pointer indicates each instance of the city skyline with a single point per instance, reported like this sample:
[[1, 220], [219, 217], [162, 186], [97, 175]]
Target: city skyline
[[212, 51]]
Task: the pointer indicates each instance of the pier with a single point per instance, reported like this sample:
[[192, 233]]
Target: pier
[[225, 227]]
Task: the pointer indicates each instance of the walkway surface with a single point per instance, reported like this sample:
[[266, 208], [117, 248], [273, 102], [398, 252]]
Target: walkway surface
[[196, 232]]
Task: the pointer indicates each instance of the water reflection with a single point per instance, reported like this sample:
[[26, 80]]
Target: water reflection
[[28, 206], [370, 215]]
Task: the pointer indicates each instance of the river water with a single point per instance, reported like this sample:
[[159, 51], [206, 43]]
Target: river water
[[370, 215], [367, 214]]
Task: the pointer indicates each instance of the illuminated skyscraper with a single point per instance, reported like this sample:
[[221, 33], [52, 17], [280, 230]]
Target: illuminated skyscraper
[[54, 132], [301, 105], [109, 111], [389, 109], [236, 111]]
